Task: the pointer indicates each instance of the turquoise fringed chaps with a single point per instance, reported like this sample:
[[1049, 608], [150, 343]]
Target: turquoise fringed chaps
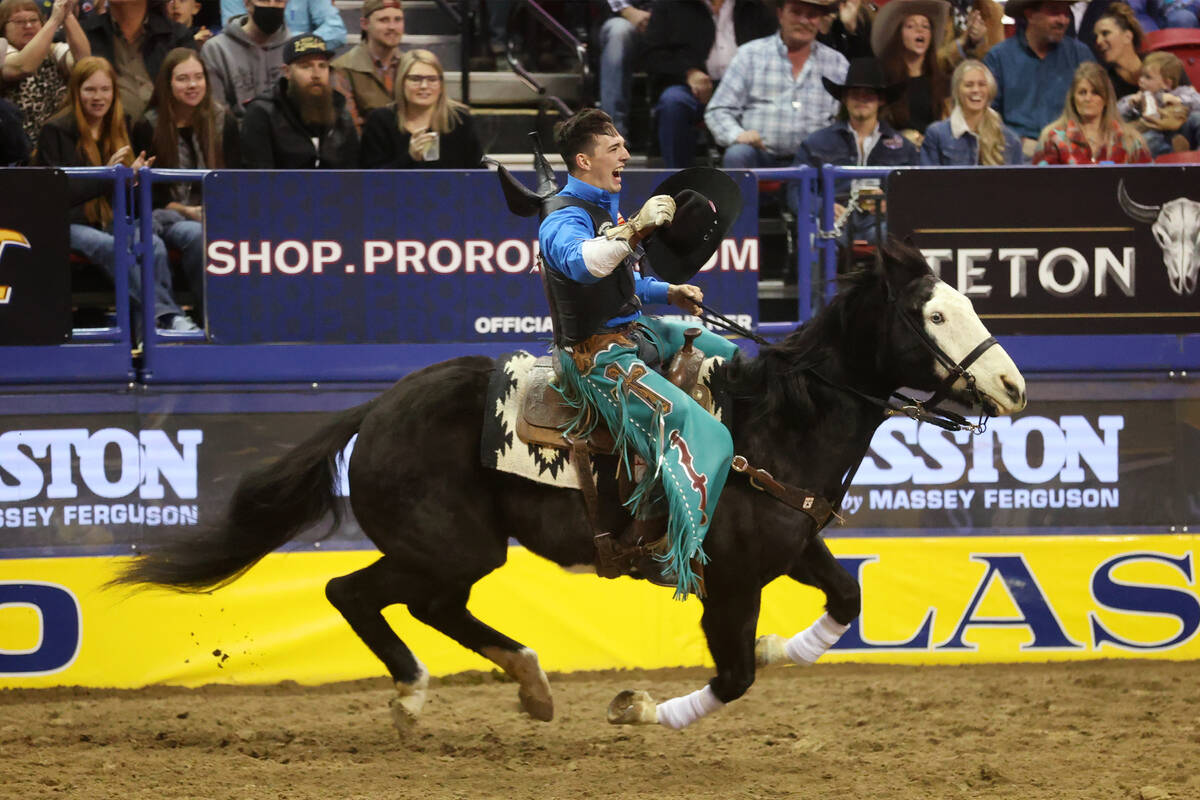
[[687, 451]]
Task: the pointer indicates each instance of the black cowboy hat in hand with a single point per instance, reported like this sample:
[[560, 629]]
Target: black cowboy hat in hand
[[865, 73], [707, 203]]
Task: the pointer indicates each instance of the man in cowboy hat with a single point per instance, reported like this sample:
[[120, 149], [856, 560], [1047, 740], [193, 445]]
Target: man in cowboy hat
[[860, 138], [771, 97], [1034, 67], [590, 261]]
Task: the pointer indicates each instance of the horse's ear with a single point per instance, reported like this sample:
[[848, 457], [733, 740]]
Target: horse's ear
[[902, 264]]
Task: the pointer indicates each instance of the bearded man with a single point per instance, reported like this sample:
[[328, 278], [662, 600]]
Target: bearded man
[[301, 123]]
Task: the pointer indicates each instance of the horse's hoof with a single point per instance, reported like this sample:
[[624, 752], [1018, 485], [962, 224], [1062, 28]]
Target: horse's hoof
[[768, 650], [540, 708], [409, 700], [633, 708]]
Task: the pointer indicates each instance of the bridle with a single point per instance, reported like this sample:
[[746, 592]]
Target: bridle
[[927, 410]]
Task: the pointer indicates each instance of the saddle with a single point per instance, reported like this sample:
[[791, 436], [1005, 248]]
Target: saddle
[[544, 415], [543, 421]]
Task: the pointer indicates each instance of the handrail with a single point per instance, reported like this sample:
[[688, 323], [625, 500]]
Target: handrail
[[806, 229], [578, 48], [465, 22], [123, 256]]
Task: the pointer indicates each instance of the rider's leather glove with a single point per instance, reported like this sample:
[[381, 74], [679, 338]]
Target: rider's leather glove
[[655, 212]]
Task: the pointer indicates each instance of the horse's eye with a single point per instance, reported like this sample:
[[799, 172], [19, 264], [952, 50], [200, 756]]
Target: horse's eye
[[937, 318]]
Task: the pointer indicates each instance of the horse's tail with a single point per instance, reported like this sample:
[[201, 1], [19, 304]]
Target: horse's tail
[[270, 506]]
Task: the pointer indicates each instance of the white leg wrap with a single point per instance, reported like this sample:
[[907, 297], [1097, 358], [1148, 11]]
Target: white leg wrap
[[810, 644], [679, 712]]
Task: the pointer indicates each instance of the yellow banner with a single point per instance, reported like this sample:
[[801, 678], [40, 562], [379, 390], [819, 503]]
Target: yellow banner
[[925, 601]]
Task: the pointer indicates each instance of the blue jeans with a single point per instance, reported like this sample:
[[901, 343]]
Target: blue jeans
[[1159, 142], [187, 236], [678, 113], [619, 46], [99, 247], [1181, 18], [744, 156]]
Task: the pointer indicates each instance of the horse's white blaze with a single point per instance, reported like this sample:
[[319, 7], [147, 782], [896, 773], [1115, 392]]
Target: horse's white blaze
[[957, 330]]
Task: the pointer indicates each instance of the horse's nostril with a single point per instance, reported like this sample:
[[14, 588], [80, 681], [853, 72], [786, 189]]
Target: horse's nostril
[[1014, 392]]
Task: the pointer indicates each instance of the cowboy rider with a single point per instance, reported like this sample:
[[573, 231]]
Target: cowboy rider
[[590, 267]]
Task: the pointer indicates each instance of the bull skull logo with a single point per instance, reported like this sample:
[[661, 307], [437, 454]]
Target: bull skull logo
[[1176, 226]]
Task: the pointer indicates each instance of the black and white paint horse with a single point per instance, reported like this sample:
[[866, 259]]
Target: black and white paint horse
[[804, 409]]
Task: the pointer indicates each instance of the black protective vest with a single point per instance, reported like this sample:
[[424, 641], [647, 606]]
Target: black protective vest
[[580, 310]]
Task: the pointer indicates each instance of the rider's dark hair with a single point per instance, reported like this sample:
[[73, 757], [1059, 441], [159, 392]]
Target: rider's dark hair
[[577, 134]]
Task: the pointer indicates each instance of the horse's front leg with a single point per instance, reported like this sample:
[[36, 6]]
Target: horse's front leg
[[728, 623], [843, 603]]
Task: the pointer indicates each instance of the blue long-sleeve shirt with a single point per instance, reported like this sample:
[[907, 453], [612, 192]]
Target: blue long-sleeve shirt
[[562, 234], [1031, 90], [301, 16]]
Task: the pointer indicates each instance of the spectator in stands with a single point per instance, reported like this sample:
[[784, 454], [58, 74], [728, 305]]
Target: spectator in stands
[[976, 26], [33, 73], [861, 137], [302, 16], [1118, 41], [366, 75], [771, 97], [135, 36], [1090, 130], [14, 144], [184, 12], [848, 28], [621, 39], [1034, 68], [974, 133], [424, 129], [91, 131], [185, 128], [1178, 14], [690, 45], [246, 59], [905, 38], [1166, 113], [301, 123]]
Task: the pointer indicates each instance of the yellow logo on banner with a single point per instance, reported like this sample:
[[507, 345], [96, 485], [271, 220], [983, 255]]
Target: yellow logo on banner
[[8, 237]]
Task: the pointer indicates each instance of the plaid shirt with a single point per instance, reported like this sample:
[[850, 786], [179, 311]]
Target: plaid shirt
[[1070, 146], [758, 93]]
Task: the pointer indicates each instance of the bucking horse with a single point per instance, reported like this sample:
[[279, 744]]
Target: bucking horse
[[802, 412]]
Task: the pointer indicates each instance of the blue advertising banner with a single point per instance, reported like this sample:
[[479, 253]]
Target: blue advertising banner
[[398, 257]]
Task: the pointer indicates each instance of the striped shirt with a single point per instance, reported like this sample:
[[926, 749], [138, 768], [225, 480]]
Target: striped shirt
[[758, 93]]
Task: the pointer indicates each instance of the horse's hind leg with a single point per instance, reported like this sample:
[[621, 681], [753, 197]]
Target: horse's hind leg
[[447, 612], [361, 597], [843, 603]]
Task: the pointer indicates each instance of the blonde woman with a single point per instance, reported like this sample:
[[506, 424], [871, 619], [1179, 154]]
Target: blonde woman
[[974, 133], [1090, 130], [423, 129]]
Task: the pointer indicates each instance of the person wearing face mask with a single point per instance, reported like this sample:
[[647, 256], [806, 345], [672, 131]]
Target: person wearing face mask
[[974, 133], [135, 36], [318, 17], [246, 59]]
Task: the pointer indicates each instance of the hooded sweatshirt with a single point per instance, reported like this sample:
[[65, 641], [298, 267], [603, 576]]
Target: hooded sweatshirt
[[241, 68]]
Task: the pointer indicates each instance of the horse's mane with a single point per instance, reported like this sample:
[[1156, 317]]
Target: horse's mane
[[777, 378]]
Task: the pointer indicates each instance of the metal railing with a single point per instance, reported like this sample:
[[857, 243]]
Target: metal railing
[[578, 50]]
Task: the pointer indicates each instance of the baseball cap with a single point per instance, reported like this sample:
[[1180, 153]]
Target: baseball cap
[[304, 45], [369, 7]]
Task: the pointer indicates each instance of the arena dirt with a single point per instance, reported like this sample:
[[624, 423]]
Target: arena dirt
[[1108, 729]]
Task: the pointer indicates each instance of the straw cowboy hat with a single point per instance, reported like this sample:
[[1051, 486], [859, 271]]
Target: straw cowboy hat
[[889, 19]]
